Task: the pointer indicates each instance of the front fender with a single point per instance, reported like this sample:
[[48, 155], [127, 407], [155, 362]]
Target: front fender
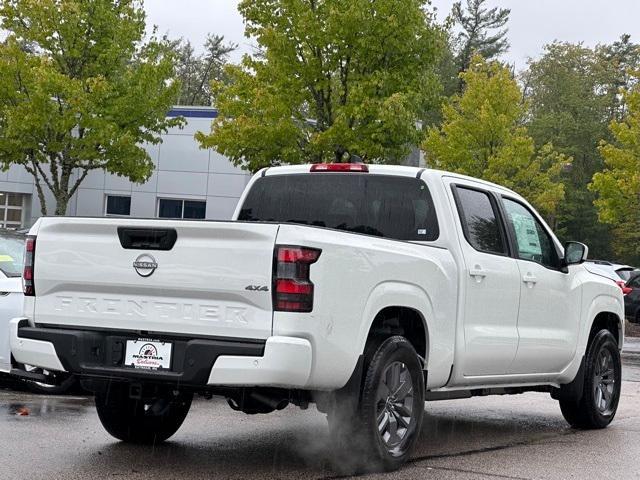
[[602, 303]]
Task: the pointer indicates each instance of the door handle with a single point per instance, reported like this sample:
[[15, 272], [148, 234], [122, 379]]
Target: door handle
[[477, 273], [530, 279]]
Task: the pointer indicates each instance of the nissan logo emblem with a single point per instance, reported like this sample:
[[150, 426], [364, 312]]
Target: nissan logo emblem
[[145, 265]]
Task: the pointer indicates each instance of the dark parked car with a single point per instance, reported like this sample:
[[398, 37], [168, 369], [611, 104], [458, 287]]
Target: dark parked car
[[632, 299]]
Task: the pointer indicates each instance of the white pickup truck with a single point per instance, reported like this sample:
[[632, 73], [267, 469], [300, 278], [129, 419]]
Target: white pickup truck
[[363, 289]]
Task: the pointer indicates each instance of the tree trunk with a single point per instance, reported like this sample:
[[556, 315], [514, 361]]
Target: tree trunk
[[62, 200], [62, 193], [41, 197]]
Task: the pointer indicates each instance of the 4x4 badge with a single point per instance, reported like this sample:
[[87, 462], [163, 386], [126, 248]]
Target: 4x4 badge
[[257, 288]]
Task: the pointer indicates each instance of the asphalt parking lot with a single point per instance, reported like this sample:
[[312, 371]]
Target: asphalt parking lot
[[515, 437]]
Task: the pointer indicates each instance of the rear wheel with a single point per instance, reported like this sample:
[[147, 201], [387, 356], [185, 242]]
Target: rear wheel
[[148, 420], [602, 383], [382, 431]]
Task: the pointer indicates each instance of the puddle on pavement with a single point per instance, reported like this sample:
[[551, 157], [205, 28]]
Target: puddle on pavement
[[29, 406]]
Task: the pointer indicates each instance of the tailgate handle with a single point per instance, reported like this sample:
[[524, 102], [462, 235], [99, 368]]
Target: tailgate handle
[[140, 238]]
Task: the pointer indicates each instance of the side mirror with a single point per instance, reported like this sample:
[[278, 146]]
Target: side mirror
[[575, 253]]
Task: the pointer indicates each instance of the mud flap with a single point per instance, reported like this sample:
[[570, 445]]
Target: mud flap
[[571, 391]]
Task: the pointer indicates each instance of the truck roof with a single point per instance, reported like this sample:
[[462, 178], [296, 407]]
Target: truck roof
[[375, 169]]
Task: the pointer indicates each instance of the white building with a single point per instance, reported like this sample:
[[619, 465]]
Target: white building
[[187, 183]]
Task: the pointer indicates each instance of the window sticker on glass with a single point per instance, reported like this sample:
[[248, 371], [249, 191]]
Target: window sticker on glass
[[526, 234]]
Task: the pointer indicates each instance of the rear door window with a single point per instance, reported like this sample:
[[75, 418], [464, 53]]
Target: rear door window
[[480, 221], [394, 207]]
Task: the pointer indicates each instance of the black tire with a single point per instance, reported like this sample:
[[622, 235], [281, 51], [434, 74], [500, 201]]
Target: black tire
[[602, 383], [382, 431], [148, 421]]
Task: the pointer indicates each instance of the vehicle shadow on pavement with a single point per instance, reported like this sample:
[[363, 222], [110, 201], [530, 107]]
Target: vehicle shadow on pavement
[[303, 449]]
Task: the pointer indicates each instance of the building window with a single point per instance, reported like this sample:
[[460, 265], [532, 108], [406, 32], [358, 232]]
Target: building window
[[171, 208], [118, 205], [11, 210]]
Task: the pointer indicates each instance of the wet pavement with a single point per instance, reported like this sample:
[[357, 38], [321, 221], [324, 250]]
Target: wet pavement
[[631, 345], [512, 437]]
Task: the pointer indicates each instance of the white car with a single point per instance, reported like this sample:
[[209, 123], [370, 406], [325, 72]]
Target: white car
[[617, 272], [11, 298], [11, 305], [363, 289]]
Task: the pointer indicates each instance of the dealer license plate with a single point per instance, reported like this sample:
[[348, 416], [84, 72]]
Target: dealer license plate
[[148, 354]]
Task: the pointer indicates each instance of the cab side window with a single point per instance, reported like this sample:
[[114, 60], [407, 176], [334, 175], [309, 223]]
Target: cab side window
[[532, 240], [480, 221]]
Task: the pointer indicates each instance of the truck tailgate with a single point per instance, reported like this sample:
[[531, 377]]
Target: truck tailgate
[[214, 281]]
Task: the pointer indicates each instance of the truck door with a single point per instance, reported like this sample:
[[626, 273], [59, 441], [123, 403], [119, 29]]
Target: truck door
[[491, 283], [549, 314]]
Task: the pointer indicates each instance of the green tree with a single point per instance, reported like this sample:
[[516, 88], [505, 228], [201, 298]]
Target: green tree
[[197, 71], [482, 32], [569, 108], [332, 79], [80, 91], [618, 185], [615, 65], [448, 76], [482, 135], [574, 93]]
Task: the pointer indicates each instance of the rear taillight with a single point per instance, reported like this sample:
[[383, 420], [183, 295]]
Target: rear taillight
[[28, 287], [623, 286], [292, 287]]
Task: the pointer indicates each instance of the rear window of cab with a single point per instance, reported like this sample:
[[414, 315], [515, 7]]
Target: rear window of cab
[[395, 207]]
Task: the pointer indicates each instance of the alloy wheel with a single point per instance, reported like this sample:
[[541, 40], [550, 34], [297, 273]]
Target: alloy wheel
[[394, 407], [604, 382]]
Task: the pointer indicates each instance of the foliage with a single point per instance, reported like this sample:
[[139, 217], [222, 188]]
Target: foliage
[[569, 108], [616, 64], [482, 135], [479, 35], [80, 91], [333, 78], [618, 185], [573, 93], [197, 71], [446, 69]]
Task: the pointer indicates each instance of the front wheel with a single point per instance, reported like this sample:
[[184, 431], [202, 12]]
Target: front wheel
[[602, 383], [386, 423], [146, 421]]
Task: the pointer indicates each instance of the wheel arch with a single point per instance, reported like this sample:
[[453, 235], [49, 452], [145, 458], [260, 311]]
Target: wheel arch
[[405, 321], [410, 304], [607, 320]]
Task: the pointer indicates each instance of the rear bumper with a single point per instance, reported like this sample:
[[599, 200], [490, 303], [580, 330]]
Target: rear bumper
[[198, 362]]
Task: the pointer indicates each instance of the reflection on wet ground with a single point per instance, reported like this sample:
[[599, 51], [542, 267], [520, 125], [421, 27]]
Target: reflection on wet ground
[[40, 406], [518, 437]]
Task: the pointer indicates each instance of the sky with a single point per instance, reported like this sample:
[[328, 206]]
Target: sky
[[532, 24]]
